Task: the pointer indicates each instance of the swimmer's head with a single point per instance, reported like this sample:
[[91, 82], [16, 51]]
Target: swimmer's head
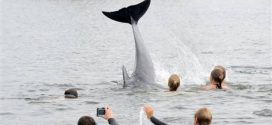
[[86, 120], [173, 82], [203, 117], [71, 93], [218, 75]]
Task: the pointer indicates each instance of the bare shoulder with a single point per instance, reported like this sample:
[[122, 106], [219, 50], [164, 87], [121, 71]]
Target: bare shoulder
[[226, 87], [207, 87]]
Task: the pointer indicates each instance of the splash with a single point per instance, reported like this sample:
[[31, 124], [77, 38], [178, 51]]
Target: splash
[[141, 115], [182, 61], [172, 55]]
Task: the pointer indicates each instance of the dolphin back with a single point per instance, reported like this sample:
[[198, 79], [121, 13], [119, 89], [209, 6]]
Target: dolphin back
[[123, 15]]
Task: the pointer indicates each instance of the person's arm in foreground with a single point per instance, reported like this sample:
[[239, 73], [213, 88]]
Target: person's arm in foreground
[[149, 113], [108, 116]]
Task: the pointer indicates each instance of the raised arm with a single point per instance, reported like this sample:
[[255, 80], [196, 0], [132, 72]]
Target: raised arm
[[149, 113]]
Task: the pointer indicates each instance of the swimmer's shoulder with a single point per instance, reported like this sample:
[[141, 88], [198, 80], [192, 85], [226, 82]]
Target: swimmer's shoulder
[[225, 87], [207, 87]]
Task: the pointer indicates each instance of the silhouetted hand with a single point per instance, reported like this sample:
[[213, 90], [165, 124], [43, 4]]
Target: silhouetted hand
[[149, 111]]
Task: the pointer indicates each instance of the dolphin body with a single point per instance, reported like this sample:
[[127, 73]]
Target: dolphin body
[[144, 71]]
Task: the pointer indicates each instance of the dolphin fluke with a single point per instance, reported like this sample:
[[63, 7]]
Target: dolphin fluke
[[123, 15]]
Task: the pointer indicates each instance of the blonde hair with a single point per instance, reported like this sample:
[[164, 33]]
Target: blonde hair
[[203, 116], [173, 82]]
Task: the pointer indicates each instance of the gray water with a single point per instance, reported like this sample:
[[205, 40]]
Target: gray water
[[48, 46]]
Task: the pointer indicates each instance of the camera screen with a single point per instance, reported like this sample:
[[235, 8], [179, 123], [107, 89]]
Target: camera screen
[[100, 111]]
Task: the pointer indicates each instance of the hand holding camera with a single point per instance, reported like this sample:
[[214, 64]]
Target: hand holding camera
[[106, 113]]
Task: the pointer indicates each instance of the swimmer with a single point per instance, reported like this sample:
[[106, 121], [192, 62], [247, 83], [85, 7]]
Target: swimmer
[[202, 116], [71, 93], [173, 82], [217, 79]]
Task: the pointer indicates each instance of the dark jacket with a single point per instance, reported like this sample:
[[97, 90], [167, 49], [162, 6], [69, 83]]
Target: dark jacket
[[112, 121], [156, 121]]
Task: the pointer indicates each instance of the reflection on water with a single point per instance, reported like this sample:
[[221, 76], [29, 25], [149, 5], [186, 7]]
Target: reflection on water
[[49, 46]]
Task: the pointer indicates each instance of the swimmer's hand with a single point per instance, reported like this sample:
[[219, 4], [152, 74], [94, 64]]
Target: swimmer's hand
[[149, 111], [108, 113]]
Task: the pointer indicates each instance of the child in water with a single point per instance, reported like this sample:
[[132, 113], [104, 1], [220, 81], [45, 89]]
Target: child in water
[[217, 77], [173, 82]]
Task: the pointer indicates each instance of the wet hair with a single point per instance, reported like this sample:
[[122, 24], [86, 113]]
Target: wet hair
[[173, 82], [203, 116], [86, 120], [218, 75], [71, 93]]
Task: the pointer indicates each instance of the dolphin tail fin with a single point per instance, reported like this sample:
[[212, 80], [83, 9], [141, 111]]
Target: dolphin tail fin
[[135, 11], [125, 76]]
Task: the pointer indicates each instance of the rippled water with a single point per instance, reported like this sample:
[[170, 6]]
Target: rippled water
[[48, 46]]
